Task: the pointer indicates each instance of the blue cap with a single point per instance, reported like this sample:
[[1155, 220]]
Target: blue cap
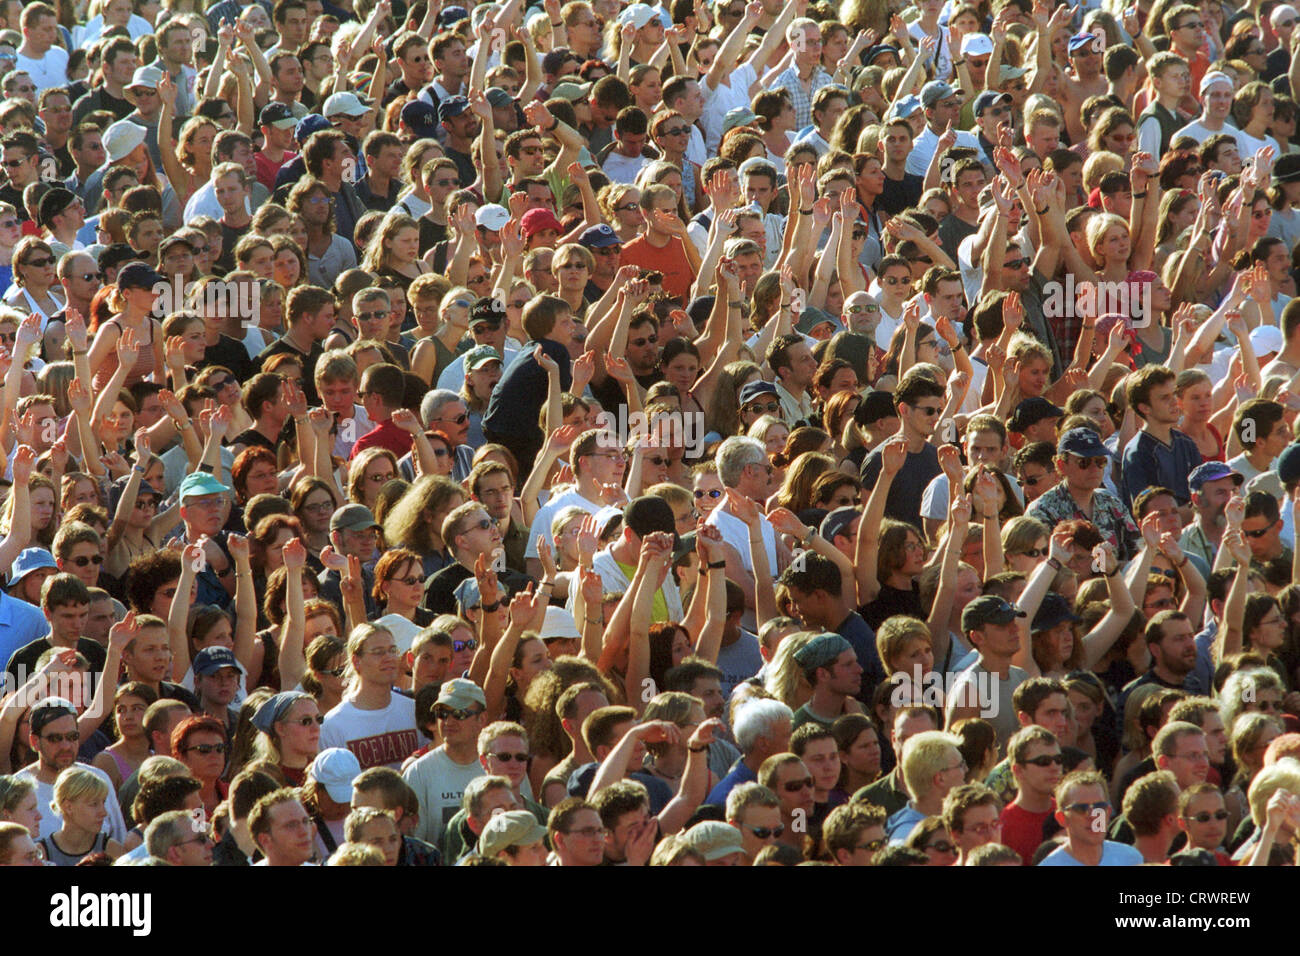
[[838, 521], [1214, 470], [212, 659], [988, 609], [904, 107], [421, 117], [1053, 611], [450, 15], [877, 50], [201, 483], [29, 560], [1081, 40], [467, 594], [274, 708], [1081, 441], [452, 107], [311, 123], [1288, 466], [989, 98], [754, 389], [599, 237]]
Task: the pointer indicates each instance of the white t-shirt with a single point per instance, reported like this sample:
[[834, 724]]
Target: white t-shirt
[[623, 169], [453, 376], [439, 784], [542, 520], [736, 533], [50, 70], [51, 822], [918, 160], [379, 738], [1247, 144], [718, 102]]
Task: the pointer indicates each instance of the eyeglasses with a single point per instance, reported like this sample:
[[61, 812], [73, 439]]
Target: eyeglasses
[[1086, 462], [941, 846], [15, 163], [985, 830], [1035, 553], [929, 411], [1205, 816], [320, 507], [896, 280], [481, 525], [82, 560], [308, 721], [794, 786], [1088, 807], [40, 263], [712, 493], [410, 580], [872, 846], [507, 758], [381, 652], [469, 645], [862, 309], [627, 207], [381, 479], [72, 736], [206, 749], [1033, 482], [759, 408], [960, 765], [448, 713], [1046, 760], [659, 461]]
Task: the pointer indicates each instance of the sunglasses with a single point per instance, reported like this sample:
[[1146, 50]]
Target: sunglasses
[[40, 263], [507, 758], [1258, 533], [82, 561], [712, 493], [72, 736], [1046, 760], [335, 672], [448, 713], [1085, 462], [371, 316], [627, 207], [1015, 263], [658, 461], [766, 833], [410, 580], [675, 131], [460, 419], [643, 342], [1088, 807], [308, 721], [1036, 553], [15, 163], [771, 408], [469, 645], [1205, 816], [206, 749], [794, 786]]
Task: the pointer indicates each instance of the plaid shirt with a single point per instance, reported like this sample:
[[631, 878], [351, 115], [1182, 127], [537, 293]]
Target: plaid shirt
[[801, 98], [1108, 514]]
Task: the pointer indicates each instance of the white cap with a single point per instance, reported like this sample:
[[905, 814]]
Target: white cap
[[559, 623], [1266, 340], [492, 216], [122, 138], [1280, 13], [639, 14], [976, 44], [344, 104], [1214, 76], [146, 76]]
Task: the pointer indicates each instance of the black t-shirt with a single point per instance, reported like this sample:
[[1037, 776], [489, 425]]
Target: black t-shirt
[[952, 231], [440, 589], [229, 236], [919, 469], [516, 402], [281, 346], [431, 233], [610, 392], [22, 663], [891, 601], [252, 438], [465, 167], [230, 354], [900, 194]]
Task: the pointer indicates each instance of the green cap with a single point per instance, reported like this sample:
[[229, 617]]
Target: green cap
[[511, 828], [821, 651], [479, 356]]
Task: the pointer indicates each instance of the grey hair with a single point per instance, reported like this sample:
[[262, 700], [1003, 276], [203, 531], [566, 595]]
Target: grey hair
[[166, 831], [756, 718], [749, 795], [1243, 687], [735, 455], [434, 401], [478, 788]]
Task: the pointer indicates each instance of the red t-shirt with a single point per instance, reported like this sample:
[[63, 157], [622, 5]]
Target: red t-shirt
[[266, 170], [1022, 830], [670, 260], [385, 435]]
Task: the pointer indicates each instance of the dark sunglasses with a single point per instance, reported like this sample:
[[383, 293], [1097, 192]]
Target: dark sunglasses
[[1046, 760], [759, 408], [794, 786], [410, 580], [766, 833], [458, 646], [448, 713], [1259, 533], [208, 748], [1205, 816], [82, 561], [507, 758], [712, 493], [308, 721], [72, 736]]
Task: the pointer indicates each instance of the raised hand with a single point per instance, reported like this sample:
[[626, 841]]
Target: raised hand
[[893, 455], [407, 420], [127, 348], [295, 554], [582, 370], [548, 364]]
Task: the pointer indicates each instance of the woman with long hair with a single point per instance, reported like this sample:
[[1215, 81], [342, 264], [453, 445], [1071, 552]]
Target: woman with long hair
[[795, 493], [201, 744], [572, 265], [672, 134], [1193, 389], [368, 472], [132, 303], [187, 158], [723, 414], [416, 521], [858, 740], [369, 706], [326, 666], [123, 758], [483, 369], [289, 725], [399, 590], [620, 206], [313, 502], [394, 249]]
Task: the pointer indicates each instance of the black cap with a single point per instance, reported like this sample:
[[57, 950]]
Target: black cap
[[648, 514], [875, 405], [138, 275], [1053, 611], [988, 609], [485, 308], [838, 521], [276, 112], [1031, 411], [54, 202], [452, 107]]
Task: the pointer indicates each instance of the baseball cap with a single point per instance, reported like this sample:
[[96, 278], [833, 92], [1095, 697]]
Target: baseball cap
[[1266, 340], [1081, 40], [138, 275], [212, 659], [599, 237], [976, 44], [639, 14], [559, 624], [29, 560], [452, 107], [812, 317], [275, 707], [449, 15], [1214, 470], [480, 356], [1006, 72], [311, 123], [492, 217], [838, 521], [174, 240], [123, 138], [988, 609], [146, 77], [536, 220], [346, 103], [499, 98], [1031, 411], [201, 483], [740, 116], [48, 710], [53, 203], [460, 694], [278, 115], [821, 651], [1288, 467], [1081, 441], [648, 514], [879, 50], [353, 517], [904, 107], [421, 118], [486, 309], [334, 769], [934, 91], [573, 92], [990, 98], [1054, 610], [755, 389], [1213, 77], [509, 829], [713, 839]]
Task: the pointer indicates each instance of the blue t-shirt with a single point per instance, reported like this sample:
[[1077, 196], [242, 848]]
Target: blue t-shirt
[[660, 793], [1149, 462], [1112, 854], [739, 661], [739, 774]]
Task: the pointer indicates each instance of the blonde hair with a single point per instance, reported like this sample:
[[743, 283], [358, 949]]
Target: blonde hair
[[1283, 775], [78, 783], [895, 634], [785, 679], [925, 755]]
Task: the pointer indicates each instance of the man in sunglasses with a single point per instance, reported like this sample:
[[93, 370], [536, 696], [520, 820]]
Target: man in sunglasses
[[1083, 79], [54, 739], [1081, 462], [440, 777], [487, 327], [992, 110], [854, 833], [755, 811], [1036, 763], [919, 401], [470, 534], [1083, 809]]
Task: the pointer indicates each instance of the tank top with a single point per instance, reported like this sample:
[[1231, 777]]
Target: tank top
[[144, 360], [59, 858]]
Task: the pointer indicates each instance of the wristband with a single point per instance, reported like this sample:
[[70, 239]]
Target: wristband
[[137, 469], [958, 62], [182, 426], [489, 608], [554, 24], [1183, 563], [1043, 211], [806, 212], [717, 565], [1054, 564], [1141, 195], [208, 468], [807, 539], [701, 33], [556, 123], [698, 750], [1111, 574], [82, 352]]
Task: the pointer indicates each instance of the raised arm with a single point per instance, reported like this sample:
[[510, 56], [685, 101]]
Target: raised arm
[[292, 656]]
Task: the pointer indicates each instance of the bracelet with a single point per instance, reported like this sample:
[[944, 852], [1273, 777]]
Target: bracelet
[[489, 608], [1054, 564], [958, 62], [1141, 195], [182, 426], [806, 212], [698, 750], [1042, 212], [1111, 574], [701, 33], [82, 352], [556, 123], [208, 468], [137, 469], [736, 303], [554, 24], [546, 584], [807, 539], [1183, 563], [717, 565]]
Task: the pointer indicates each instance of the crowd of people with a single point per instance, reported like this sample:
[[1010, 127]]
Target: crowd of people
[[708, 433]]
